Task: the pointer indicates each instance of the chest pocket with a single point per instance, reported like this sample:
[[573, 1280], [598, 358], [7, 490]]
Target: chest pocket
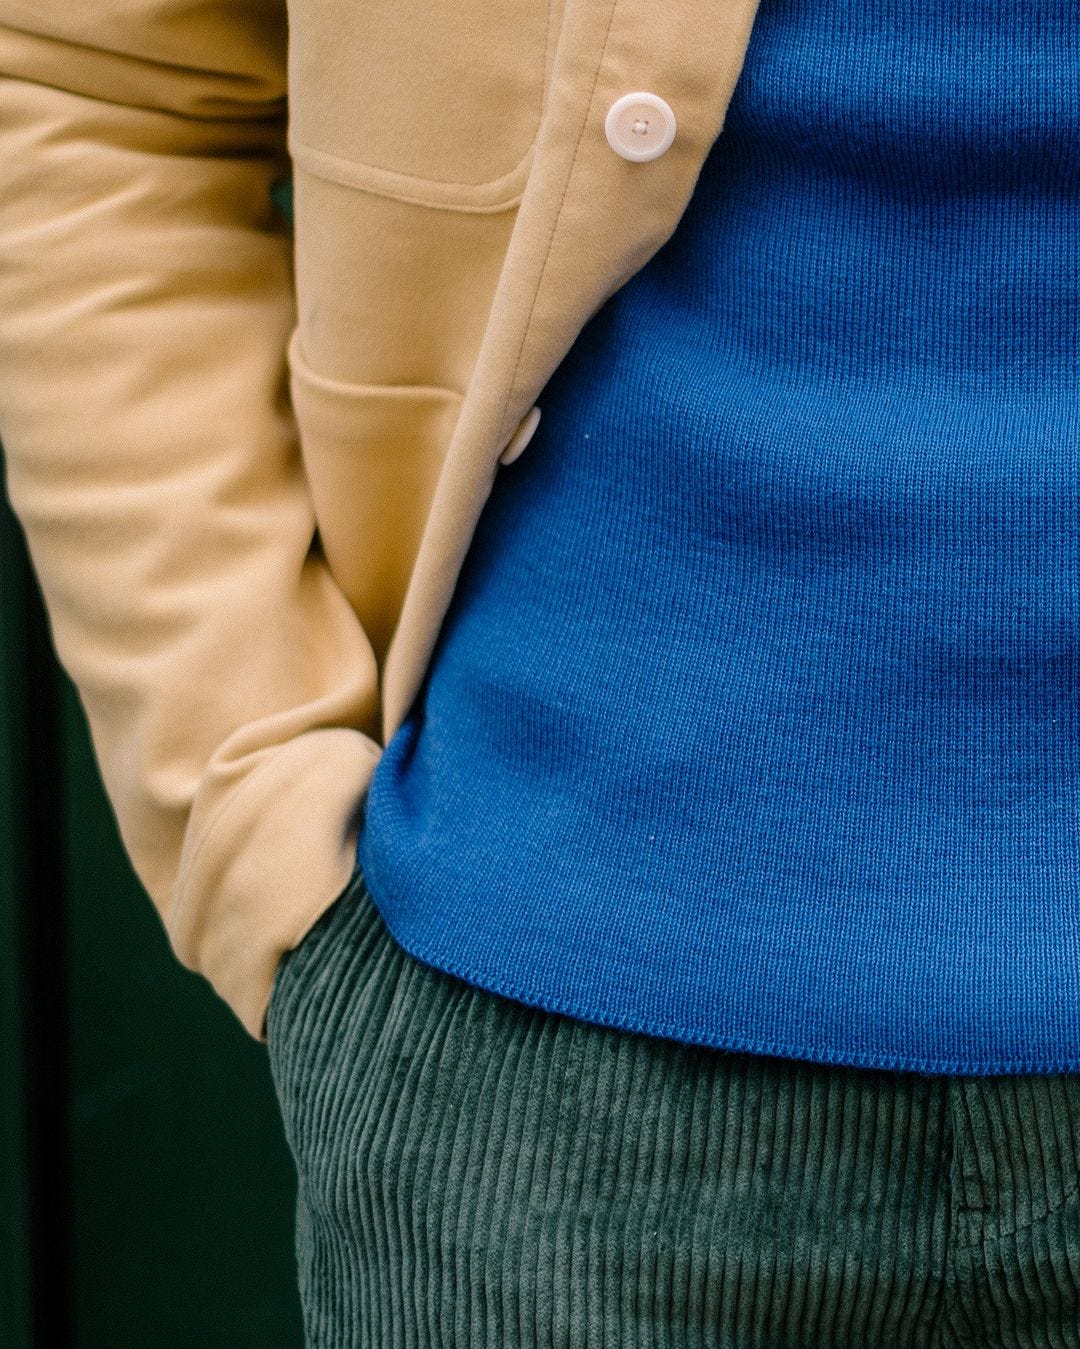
[[438, 103]]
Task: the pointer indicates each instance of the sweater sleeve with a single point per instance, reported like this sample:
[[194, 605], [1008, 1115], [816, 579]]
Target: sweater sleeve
[[151, 457]]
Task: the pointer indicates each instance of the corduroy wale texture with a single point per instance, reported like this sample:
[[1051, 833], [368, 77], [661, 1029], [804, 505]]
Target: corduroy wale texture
[[755, 716], [474, 1172]]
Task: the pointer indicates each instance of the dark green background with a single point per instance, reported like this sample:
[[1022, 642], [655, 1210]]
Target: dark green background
[[146, 1190]]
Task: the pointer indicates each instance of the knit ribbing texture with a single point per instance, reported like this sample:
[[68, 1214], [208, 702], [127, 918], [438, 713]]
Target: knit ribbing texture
[[754, 720]]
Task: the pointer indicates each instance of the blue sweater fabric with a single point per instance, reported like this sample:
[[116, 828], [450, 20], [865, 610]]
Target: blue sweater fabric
[[754, 720]]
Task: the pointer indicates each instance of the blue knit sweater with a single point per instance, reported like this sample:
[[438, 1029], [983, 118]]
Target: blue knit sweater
[[755, 717]]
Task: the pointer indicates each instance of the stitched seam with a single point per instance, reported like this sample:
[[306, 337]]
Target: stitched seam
[[363, 177], [985, 1239], [555, 221], [421, 179], [489, 982]]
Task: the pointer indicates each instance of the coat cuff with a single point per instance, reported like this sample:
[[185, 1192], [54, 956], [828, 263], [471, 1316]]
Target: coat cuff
[[273, 856]]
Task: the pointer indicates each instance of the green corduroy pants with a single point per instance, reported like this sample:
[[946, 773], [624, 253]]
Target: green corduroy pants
[[475, 1172]]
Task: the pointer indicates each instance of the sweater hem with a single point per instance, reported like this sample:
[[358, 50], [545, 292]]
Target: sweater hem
[[491, 981]]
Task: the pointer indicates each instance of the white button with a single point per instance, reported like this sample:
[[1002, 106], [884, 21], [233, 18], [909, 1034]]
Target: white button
[[521, 436], [640, 125]]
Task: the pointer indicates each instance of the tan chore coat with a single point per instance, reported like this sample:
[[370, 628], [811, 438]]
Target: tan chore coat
[[248, 463]]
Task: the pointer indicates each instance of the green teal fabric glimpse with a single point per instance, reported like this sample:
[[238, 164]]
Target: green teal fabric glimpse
[[281, 193]]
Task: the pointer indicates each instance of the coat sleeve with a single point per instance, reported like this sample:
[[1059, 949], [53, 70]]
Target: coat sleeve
[[151, 457]]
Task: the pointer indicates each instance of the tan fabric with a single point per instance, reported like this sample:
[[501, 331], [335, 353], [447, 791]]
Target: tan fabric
[[248, 466]]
